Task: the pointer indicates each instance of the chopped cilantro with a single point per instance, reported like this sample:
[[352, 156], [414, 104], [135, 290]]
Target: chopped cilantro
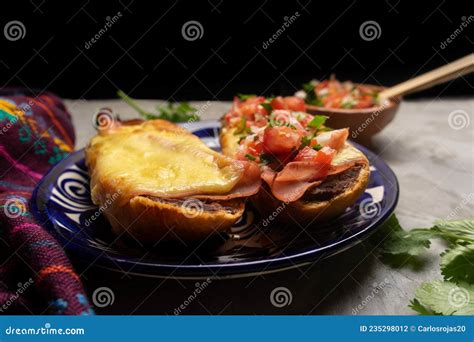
[[317, 121], [242, 128], [250, 157], [267, 106], [305, 141]]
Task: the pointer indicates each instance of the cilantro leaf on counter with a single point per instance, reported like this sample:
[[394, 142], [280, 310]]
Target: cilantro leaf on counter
[[420, 308], [413, 243], [453, 231], [455, 294], [174, 112], [457, 264], [444, 298]]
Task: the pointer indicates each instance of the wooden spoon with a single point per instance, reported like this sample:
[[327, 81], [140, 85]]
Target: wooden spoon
[[442, 74], [366, 122]]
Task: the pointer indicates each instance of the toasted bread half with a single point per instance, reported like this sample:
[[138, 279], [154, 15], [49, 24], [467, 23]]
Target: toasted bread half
[[141, 206], [322, 202], [313, 208]]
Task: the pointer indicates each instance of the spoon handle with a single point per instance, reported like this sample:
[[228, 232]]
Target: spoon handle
[[442, 74]]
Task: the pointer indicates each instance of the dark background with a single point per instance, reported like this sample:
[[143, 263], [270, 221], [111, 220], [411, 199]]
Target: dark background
[[145, 54]]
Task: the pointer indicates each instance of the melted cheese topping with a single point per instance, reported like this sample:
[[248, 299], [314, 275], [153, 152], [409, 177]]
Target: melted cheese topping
[[347, 154], [142, 160]]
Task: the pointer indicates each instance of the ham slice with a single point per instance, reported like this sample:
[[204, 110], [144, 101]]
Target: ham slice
[[248, 184], [291, 191], [333, 139], [297, 177]]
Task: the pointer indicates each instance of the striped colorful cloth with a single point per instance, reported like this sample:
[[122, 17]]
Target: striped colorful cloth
[[35, 275]]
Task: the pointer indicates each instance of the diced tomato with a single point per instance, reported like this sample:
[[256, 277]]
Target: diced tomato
[[365, 101], [249, 107], [295, 103], [248, 110], [255, 148], [332, 92], [281, 140], [332, 101], [323, 156], [278, 103], [313, 143], [255, 99], [307, 119], [321, 85]]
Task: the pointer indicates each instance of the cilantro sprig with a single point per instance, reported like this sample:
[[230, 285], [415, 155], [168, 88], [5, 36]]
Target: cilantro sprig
[[174, 112], [437, 297]]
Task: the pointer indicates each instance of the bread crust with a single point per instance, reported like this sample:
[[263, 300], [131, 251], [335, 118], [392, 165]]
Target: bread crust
[[150, 220], [301, 211], [306, 212]]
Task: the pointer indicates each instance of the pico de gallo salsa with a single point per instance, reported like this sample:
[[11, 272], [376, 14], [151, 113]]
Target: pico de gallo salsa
[[276, 131], [294, 150], [335, 94]]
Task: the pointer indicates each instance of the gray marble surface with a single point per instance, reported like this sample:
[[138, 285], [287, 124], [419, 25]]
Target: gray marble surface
[[434, 165]]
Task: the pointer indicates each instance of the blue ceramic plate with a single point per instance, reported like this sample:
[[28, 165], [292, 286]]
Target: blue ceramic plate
[[62, 201]]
